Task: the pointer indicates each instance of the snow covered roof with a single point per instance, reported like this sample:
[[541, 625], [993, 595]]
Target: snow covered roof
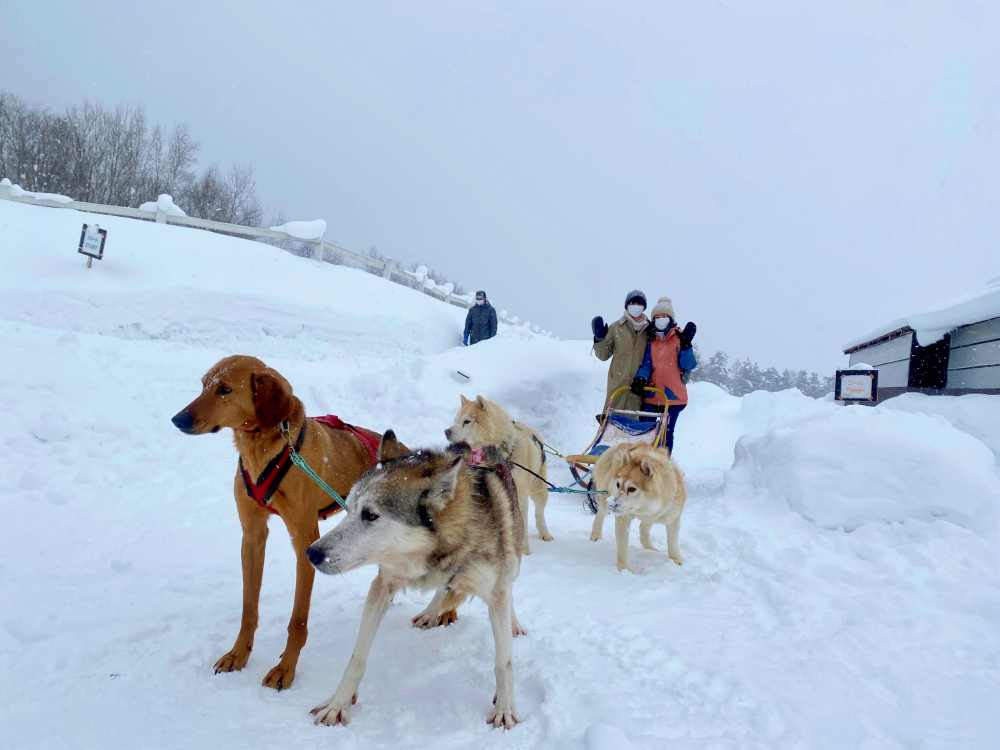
[[932, 324]]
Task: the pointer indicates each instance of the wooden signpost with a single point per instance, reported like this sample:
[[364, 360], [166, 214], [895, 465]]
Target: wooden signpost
[[92, 239]]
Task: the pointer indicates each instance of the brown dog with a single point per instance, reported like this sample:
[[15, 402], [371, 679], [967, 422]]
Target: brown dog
[[247, 396]]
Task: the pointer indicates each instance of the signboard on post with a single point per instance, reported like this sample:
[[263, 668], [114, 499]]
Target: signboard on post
[[859, 386], [92, 239]]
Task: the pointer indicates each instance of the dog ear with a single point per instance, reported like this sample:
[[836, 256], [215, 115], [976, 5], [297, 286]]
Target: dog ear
[[443, 486], [464, 399], [272, 398], [646, 467], [389, 447], [480, 402]]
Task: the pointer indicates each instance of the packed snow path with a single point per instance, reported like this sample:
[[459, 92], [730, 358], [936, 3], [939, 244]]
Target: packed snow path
[[840, 589]]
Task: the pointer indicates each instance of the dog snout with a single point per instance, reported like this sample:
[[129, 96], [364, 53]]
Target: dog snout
[[447, 434], [183, 420], [316, 556]]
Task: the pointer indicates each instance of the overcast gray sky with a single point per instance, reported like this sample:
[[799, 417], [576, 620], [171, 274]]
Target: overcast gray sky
[[791, 173]]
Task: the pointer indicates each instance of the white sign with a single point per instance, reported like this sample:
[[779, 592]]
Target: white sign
[[92, 240], [857, 385]]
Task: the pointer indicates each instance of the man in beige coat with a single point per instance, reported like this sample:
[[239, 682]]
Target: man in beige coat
[[624, 343]]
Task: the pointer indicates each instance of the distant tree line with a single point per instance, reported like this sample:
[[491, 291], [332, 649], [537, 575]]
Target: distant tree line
[[740, 377], [117, 157]]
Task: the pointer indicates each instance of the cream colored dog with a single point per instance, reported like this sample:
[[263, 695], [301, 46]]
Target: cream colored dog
[[642, 482], [482, 423]]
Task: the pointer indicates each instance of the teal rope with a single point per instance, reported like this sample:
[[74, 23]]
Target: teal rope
[[301, 463], [570, 490]]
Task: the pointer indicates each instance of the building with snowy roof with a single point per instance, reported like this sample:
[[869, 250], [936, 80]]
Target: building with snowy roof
[[952, 349]]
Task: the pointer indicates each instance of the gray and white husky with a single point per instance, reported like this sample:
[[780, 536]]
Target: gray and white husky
[[430, 520]]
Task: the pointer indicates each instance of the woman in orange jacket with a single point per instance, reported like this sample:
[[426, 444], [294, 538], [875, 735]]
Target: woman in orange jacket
[[665, 365]]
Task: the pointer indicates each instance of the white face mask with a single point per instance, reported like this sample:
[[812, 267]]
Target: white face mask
[[662, 324], [635, 310], [480, 302]]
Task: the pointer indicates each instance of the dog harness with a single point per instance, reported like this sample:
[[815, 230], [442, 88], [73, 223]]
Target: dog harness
[[368, 439], [267, 483], [270, 478], [478, 460]]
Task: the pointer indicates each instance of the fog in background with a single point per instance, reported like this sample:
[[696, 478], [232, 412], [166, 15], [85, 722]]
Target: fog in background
[[792, 175]]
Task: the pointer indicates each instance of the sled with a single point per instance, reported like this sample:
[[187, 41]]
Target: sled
[[618, 426]]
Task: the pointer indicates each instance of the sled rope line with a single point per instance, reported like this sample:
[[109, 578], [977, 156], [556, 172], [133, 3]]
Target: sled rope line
[[550, 450], [556, 488], [310, 472]]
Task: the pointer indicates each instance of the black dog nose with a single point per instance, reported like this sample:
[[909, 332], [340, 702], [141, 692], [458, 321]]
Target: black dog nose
[[447, 433], [315, 555], [183, 420]]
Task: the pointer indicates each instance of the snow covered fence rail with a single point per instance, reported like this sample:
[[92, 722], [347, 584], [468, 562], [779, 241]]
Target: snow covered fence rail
[[160, 212]]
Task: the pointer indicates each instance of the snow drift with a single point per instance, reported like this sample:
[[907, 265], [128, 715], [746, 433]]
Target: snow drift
[[857, 466], [120, 575]]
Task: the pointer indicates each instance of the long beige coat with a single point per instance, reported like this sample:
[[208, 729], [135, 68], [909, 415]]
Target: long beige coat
[[625, 347]]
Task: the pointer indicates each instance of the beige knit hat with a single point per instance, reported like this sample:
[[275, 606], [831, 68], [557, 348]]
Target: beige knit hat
[[664, 307]]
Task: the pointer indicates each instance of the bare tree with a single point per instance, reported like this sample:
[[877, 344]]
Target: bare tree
[[115, 157]]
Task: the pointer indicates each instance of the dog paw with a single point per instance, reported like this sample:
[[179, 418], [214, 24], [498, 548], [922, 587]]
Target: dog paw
[[426, 620], [517, 629], [678, 558], [547, 537], [595, 537], [280, 677], [503, 716], [626, 568], [447, 618], [234, 661], [334, 711]]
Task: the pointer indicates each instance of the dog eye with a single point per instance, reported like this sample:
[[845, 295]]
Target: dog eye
[[630, 490], [223, 389], [367, 516], [466, 422]]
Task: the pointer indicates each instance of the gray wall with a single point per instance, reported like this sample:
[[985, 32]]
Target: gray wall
[[974, 361], [891, 358]]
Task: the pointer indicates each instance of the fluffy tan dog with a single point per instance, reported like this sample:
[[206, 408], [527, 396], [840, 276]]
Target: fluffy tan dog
[[482, 423], [642, 482]]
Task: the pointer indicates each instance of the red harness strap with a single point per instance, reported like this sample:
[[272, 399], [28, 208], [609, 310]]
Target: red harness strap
[[267, 483], [368, 439]]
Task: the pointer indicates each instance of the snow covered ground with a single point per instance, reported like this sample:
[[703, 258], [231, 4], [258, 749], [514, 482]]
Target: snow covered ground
[[841, 586]]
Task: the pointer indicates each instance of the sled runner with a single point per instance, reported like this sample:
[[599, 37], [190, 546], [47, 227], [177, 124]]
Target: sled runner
[[618, 426]]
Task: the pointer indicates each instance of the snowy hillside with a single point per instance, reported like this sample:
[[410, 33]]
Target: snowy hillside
[[841, 587]]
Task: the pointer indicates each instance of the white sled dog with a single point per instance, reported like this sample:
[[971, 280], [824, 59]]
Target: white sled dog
[[430, 520], [482, 423], [642, 482]]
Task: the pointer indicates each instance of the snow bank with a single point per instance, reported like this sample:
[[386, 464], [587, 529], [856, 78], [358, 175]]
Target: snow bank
[[7, 188], [852, 466], [931, 325], [163, 204], [120, 578], [303, 230], [976, 414]]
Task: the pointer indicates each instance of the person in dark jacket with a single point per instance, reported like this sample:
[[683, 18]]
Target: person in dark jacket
[[481, 322]]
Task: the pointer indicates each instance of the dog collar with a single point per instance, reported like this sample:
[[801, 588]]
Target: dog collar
[[477, 460], [270, 478]]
